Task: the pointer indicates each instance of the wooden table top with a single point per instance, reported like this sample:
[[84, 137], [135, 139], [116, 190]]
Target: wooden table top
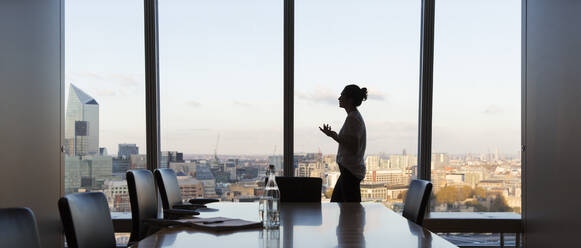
[[306, 225]]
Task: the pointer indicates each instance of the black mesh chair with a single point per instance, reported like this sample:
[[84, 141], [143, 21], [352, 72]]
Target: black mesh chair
[[299, 189], [86, 220], [18, 228], [169, 190], [143, 200], [416, 200], [144, 205]]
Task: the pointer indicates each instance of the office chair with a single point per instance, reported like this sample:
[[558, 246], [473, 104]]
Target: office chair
[[299, 189], [143, 200], [86, 220], [416, 200], [144, 205], [18, 228], [169, 190]]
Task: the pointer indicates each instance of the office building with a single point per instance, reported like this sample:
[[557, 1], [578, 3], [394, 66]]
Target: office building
[[310, 169], [117, 195], [82, 123], [190, 187], [230, 168], [170, 156], [126, 150], [373, 192], [387, 177], [121, 165], [402, 161], [439, 160], [204, 175], [372, 162]]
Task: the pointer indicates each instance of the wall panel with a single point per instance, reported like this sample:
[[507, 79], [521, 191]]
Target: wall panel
[[553, 122], [31, 69]]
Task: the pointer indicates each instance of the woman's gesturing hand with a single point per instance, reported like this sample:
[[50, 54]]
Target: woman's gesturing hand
[[327, 130]]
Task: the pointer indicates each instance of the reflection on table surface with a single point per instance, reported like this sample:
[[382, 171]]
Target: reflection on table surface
[[306, 225]]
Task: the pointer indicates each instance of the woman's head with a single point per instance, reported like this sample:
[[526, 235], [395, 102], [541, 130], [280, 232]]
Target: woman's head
[[352, 95]]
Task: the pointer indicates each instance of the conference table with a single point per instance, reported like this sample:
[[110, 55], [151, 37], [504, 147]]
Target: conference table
[[304, 225]]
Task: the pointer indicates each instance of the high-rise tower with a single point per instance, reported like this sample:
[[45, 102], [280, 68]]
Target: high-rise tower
[[126, 150], [81, 124]]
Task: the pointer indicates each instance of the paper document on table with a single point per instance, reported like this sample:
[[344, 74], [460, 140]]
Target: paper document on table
[[219, 224]]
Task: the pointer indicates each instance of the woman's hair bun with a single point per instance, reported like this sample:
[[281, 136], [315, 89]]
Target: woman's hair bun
[[363, 93]]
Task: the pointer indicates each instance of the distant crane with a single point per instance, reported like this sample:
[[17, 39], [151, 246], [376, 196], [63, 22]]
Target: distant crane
[[216, 149]]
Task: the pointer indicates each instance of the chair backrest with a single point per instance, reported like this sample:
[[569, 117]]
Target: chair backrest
[[416, 200], [299, 189], [143, 199], [87, 220], [18, 228], [169, 189]]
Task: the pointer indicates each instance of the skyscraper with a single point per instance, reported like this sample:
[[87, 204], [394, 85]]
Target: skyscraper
[[81, 123], [126, 150]]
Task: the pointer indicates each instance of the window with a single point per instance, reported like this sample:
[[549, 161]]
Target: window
[[374, 44], [104, 103], [221, 80], [476, 144], [476, 164], [221, 94]]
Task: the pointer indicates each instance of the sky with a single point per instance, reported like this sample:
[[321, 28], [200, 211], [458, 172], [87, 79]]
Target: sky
[[221, 73]]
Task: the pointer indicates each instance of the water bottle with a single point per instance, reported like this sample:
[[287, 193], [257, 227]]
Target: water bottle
[[262, 200], [271, 200]]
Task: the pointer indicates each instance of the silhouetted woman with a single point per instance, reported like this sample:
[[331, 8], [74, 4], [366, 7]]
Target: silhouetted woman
[[351, 139]]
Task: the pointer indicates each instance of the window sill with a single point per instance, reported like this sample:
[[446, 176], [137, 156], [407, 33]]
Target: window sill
[[474, 222]]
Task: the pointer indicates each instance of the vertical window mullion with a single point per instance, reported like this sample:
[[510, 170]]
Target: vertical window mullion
[[152, 83], [426, 87], [288, 64]]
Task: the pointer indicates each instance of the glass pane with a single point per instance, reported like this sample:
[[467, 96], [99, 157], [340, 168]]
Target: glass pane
[[476, 164], [374, 44], [104, 97], [221, 94]]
